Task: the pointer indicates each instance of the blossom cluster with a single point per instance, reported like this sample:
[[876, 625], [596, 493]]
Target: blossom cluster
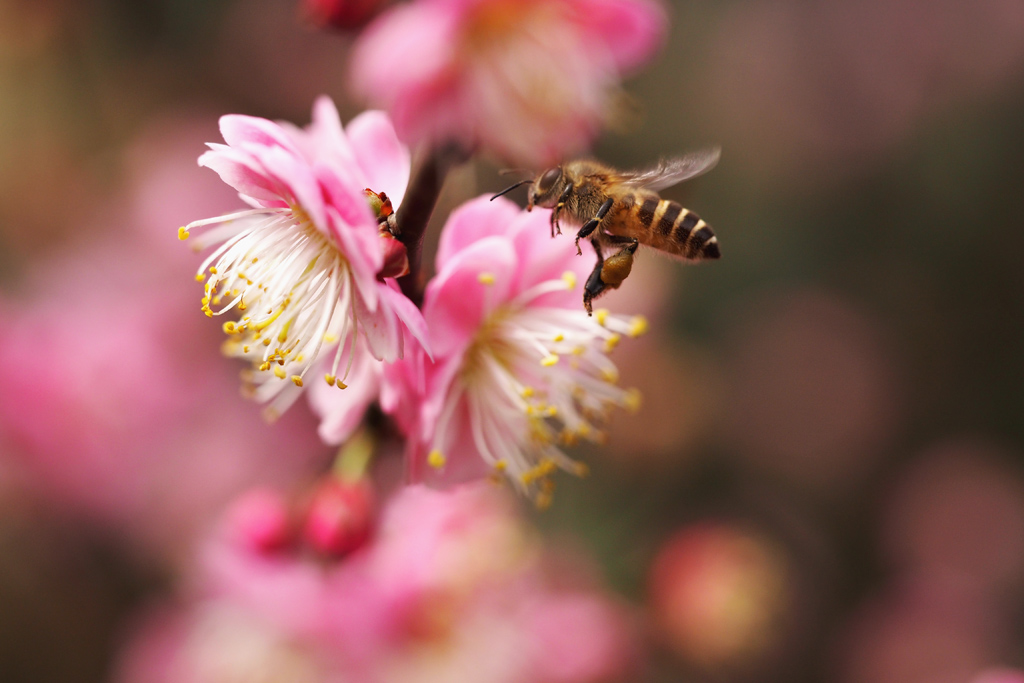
[[472, 598], [501, 369]]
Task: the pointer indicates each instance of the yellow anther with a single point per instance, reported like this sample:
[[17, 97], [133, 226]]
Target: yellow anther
[[611, 342], [255, 259], [279, 372], [601, 315], [568, 437], [205, 301], [527, 392], [245, 349], [266, 341], [633, 400], [330, 338], [485, 278], [200, 277], [436, 459], [638, 326], [342, 385], [500, 466], [296, 380], [229, 328], [208, 312], [265, 366], [559, 337], [579, 350], [299, 358], [569, 278], [549, 360], [330, 379], [182, 234], [213, 269], [242, 306], [610, 375], [583, 430]]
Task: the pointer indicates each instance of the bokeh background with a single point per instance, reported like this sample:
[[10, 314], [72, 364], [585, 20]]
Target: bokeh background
[[826, 482]]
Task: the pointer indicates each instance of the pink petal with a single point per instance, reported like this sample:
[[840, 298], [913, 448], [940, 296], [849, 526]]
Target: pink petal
[[238, 129], [242, 172], [471, 222], [633, 30], [457, 302], [294, 173], [384, 160], [383, 69], [380, 329], [407, 312], [542, 257], [341, 410], [326, 135]]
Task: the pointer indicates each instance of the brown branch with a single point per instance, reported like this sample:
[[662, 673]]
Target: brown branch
[[414, 213]]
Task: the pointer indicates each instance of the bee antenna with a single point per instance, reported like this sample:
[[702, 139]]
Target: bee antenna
[[511, 187], [510, 171]]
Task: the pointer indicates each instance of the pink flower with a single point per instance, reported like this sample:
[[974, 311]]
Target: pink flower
[[116, 415], [530, 80], [519, 367], [307, 267], [452, 588]]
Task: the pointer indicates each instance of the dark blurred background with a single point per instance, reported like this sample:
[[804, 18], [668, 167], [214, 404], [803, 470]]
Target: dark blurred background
[[825, 482]]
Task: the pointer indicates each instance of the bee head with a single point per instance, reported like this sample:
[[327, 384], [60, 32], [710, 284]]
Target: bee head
[[545, 189]]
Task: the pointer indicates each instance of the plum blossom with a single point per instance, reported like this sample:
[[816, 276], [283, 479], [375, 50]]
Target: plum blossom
[[307, 268], [451, 587], [529, 80], [519, 367], [106, 413]]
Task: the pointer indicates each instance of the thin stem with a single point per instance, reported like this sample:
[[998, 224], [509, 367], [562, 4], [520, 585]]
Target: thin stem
[[414, 213]]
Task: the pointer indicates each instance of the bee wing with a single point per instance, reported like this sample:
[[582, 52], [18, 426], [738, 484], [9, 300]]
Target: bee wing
[[675, 170]]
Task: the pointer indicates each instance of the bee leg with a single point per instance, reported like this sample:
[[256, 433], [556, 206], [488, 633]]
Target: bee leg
[[594, 286], [592, 224], [609, 272], [556, 229]]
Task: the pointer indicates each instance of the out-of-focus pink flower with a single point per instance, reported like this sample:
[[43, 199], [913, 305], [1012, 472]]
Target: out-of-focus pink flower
[[718, 595], [304, 266], [999, 676], [342, 14], [115, 413], [519, 366], [924, 628], [452, 588], [529, 80]]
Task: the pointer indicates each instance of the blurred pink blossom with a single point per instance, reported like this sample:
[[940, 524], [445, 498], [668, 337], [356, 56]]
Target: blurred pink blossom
[[958, 510], [519, 366], [114, 412], [925, 629], [528, 80], [997, 675], [452, 588], [304, 267], [719, 595]]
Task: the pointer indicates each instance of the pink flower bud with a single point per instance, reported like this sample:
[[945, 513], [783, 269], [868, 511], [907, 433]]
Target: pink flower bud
[[258, 521], [396, 258], [339, 517]]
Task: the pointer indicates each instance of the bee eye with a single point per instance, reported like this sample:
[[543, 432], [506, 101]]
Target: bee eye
[[548, 180]]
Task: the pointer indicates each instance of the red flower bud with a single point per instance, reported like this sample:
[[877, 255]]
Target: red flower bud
[[342, 14], [339, 517]]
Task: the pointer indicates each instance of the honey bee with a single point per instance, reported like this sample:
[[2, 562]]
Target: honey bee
[[622, 209]]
